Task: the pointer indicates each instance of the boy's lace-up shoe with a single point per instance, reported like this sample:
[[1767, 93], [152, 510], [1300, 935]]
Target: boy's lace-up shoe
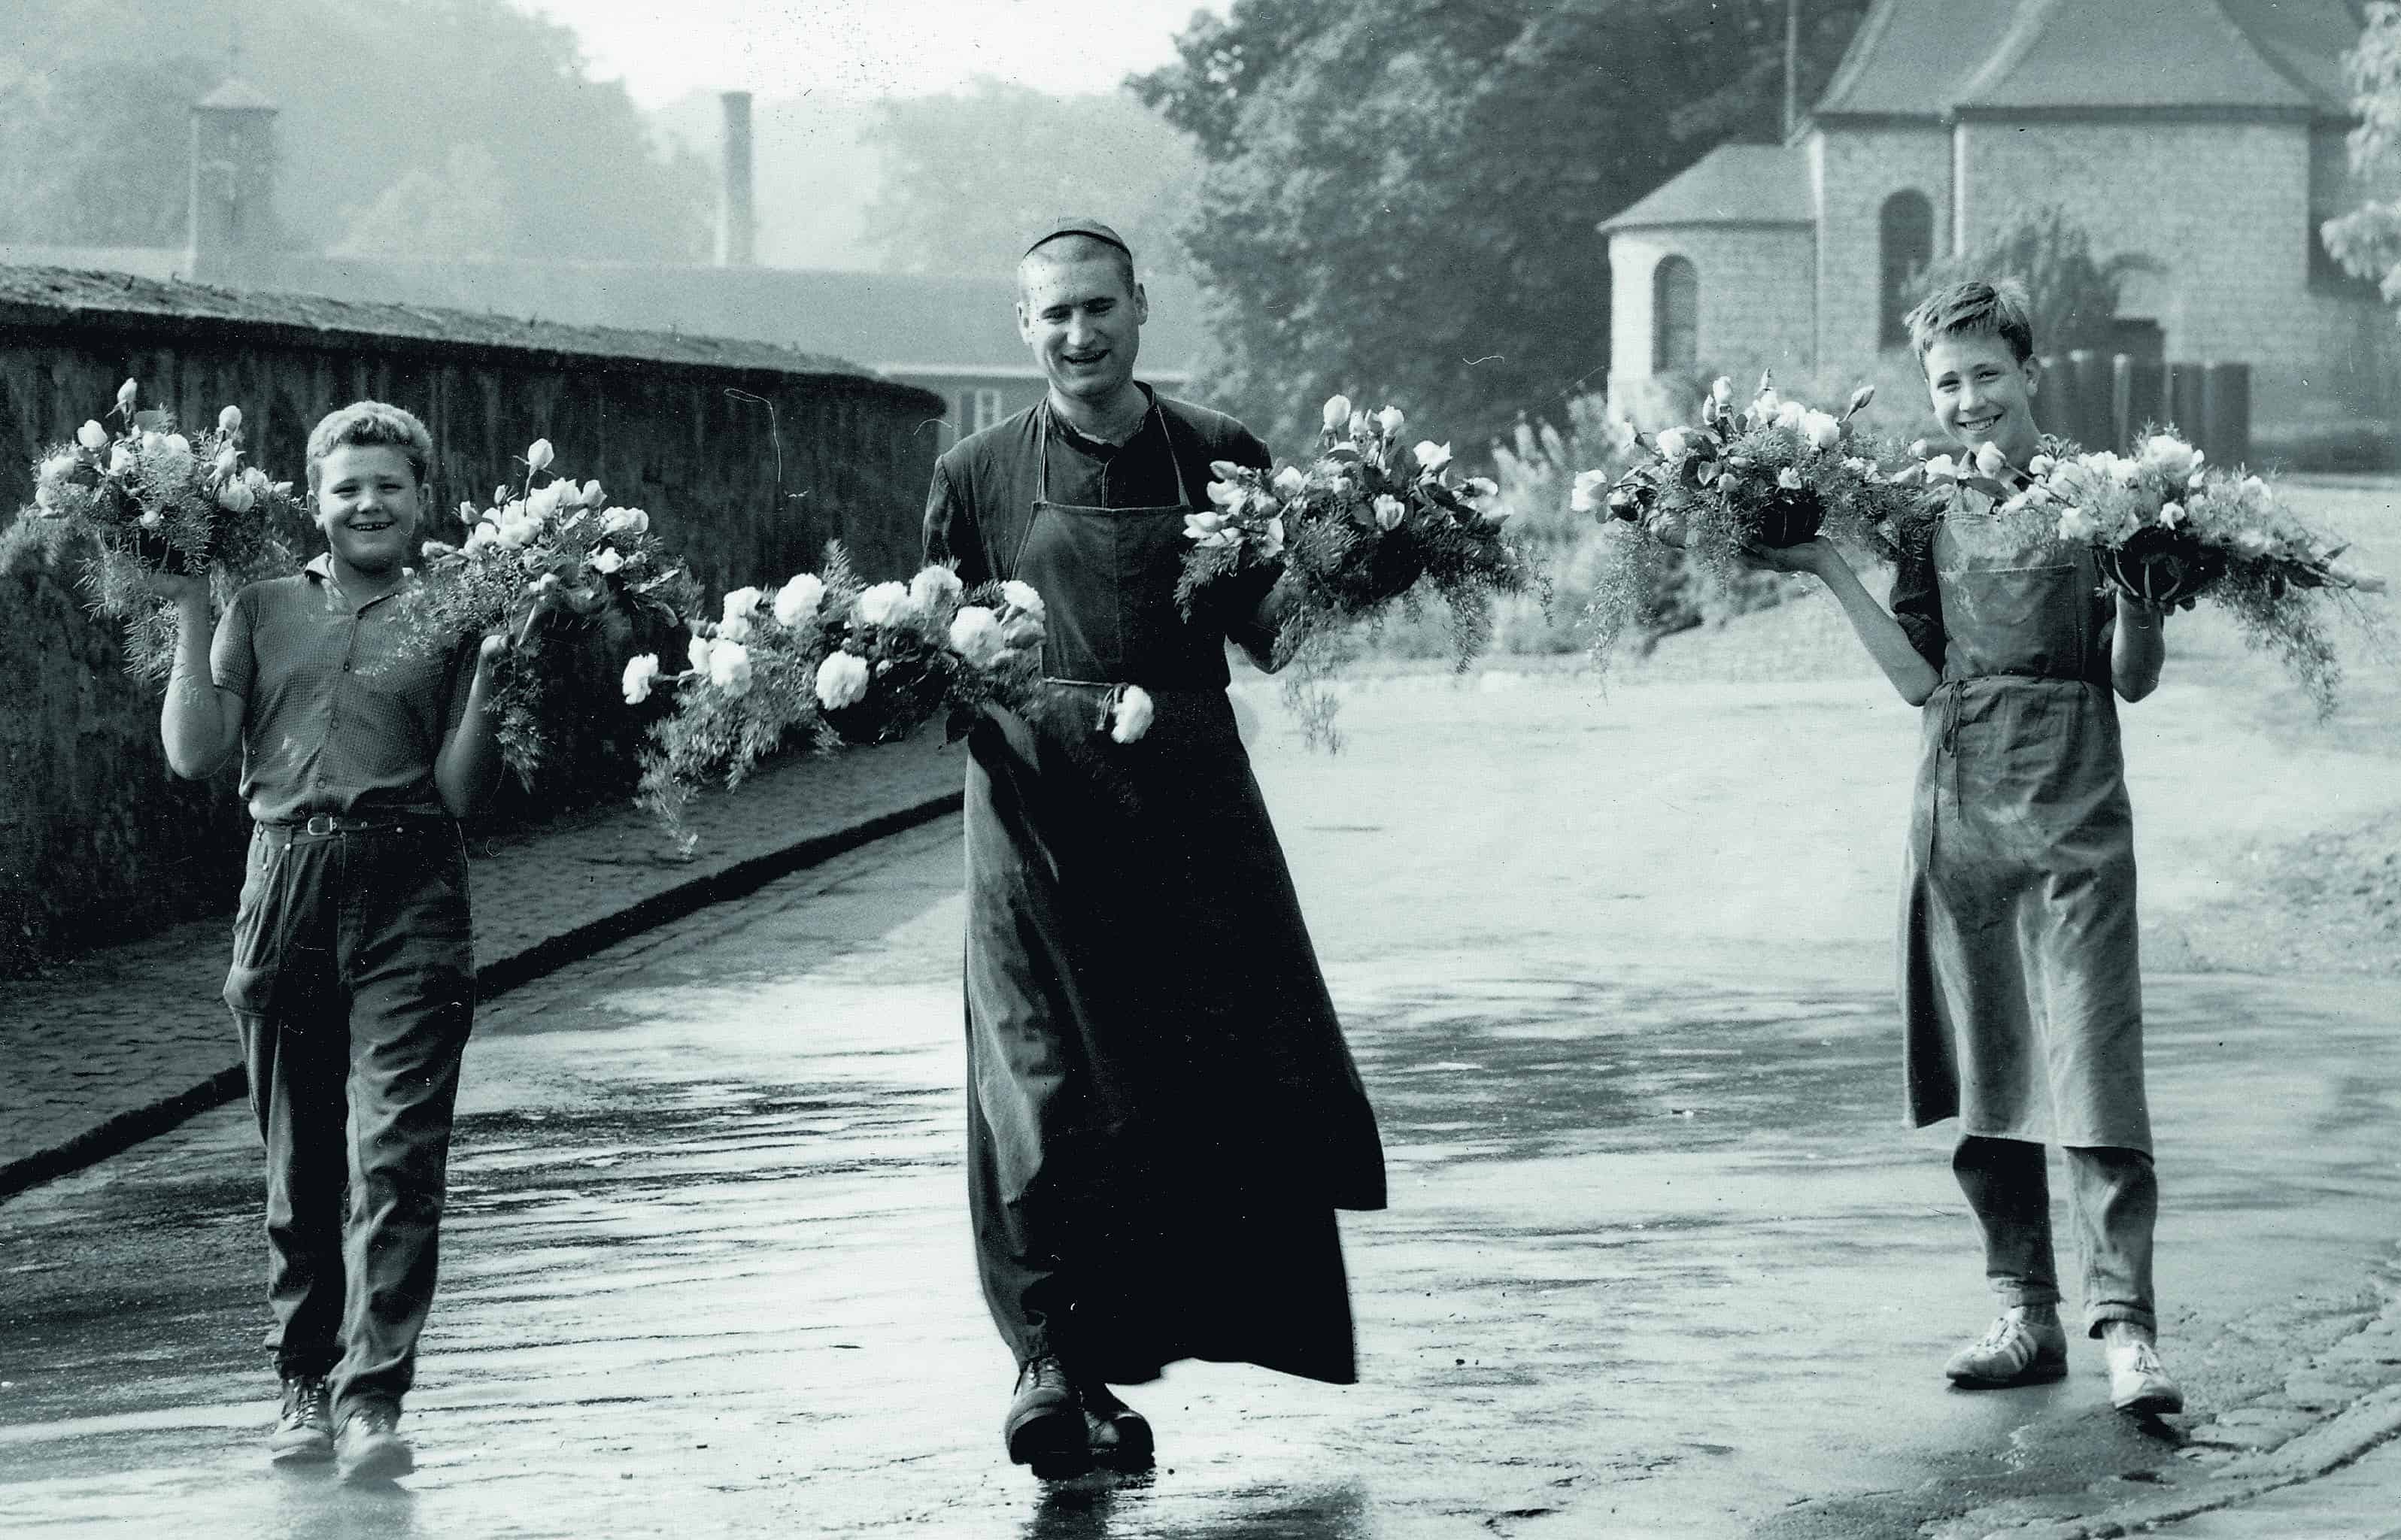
[[369, 1447], [304, 1427], [2020, 1349], [1119, 1437], [2138, 1382], [1045, 1428]]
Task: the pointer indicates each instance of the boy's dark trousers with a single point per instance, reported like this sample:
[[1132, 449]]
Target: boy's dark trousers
[[353, 987]]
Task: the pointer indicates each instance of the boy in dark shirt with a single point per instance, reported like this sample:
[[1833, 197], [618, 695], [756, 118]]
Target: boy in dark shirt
[[352, 982]]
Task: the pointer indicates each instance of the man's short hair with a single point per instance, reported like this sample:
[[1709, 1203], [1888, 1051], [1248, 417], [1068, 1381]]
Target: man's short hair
[[1974, 309], [1075, 246], [367, 423]]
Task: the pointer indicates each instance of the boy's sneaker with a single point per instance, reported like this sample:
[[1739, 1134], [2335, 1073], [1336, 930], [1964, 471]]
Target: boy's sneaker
[[2022, 1348], [369, 1447], [2138, 1382], [304, 1428]]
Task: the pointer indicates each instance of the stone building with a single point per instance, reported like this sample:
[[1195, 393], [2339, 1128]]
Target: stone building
[[2206, 135]]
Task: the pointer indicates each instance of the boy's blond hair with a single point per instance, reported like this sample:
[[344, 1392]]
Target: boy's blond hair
[[371, 422], [1974, 309]]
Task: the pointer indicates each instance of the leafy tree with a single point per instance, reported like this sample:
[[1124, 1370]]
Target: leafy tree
[[1400, 195], [368, 90], [2074, 298], [2368, 240], [967, 176]]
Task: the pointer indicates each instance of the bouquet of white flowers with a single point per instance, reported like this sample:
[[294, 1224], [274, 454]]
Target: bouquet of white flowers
[[2169, 530], [148, 500], [1364, 522], [546, 565], [841, 662], [1773, 475]]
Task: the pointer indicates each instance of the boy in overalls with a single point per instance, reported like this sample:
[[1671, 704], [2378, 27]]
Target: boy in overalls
[[2021, 988], [352, 982]]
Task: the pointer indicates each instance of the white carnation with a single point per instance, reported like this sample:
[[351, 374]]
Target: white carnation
[[729, 667], [842, 679], [885, 603], [975, 635], [1023, 596], [797, 601], [640, 672], [1134, 715], [934, 587]]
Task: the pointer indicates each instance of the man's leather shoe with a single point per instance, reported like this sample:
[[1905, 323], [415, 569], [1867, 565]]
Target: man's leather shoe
[[304, 1427], [369, 1447], [2020, 1348], [1119, 1437], [1045, 1428]]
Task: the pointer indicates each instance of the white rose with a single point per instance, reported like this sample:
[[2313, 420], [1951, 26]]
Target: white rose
[[228, 461], [229, 420], [1389, 420], [538, 455], [1289, 482], [729, 667], [1721, 390], [1673, 443], [484, 535], [625, 521], [1989, 459], [235, 496], [1389, 513], [608, 559], [151, 519], [1790, 413], [92, 437], [1337, 413], [974, 634], [797, 600], [179, 446], [595, 495], [1580, 496], [2077, 525], [639, 674], [1822, 429], [1023, 596], [1433, 456], [841, 680], [519, 524], [1134, 715], [1269, 538], [125, 394], [56, 467], [1788, 479], [934, 587], [2251, 542]]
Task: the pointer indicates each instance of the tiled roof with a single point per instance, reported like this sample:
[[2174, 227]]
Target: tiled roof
[[1732, 185], [1928, 57], [35, 296]]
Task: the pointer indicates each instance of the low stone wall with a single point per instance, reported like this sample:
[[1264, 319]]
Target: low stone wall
[[750, 459]]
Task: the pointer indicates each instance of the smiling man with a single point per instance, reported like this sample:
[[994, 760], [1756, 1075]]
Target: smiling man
[[352, 982], [1162, 1115]]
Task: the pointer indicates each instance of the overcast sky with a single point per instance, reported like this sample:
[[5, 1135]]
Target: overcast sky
[[661, 49]]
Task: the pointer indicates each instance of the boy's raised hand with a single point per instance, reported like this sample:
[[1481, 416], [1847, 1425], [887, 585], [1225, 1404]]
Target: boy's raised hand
[[182, 589], [1812, 555]]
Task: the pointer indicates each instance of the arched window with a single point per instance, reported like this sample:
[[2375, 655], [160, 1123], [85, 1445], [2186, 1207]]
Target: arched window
[[1675, 317], [1905, 237]]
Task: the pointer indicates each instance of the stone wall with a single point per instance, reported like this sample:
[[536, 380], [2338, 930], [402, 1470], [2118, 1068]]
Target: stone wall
[[1757, 304], [2225, 207], [1854, 171], [98, 842]]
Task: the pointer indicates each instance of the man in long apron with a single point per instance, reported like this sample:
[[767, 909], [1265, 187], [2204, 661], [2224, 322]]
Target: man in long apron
[[1162, 1114]]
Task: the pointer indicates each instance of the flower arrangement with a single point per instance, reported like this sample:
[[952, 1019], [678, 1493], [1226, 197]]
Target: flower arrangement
[[1364, 523], [2169, 530], [541, 565], [843, 661], [1773, 475], [150, 499]]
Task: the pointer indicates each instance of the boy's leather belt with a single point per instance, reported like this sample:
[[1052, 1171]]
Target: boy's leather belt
[[322, 823]]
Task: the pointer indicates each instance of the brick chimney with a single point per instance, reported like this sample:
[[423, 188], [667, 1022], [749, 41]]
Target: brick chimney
[[737, 230], [233, 225]]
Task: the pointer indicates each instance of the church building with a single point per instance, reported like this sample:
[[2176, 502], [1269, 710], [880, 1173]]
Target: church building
[[2206, 136]]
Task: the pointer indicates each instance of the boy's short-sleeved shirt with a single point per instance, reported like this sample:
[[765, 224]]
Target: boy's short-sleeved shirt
[[344, 708]]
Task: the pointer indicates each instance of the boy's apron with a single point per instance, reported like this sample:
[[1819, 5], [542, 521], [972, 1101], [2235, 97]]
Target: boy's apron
[[2021, 985]]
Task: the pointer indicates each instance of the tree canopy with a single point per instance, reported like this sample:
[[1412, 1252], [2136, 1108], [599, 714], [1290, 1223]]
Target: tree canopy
[[967, 176], [1399, 196], [452, 107], [2368, 240]]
